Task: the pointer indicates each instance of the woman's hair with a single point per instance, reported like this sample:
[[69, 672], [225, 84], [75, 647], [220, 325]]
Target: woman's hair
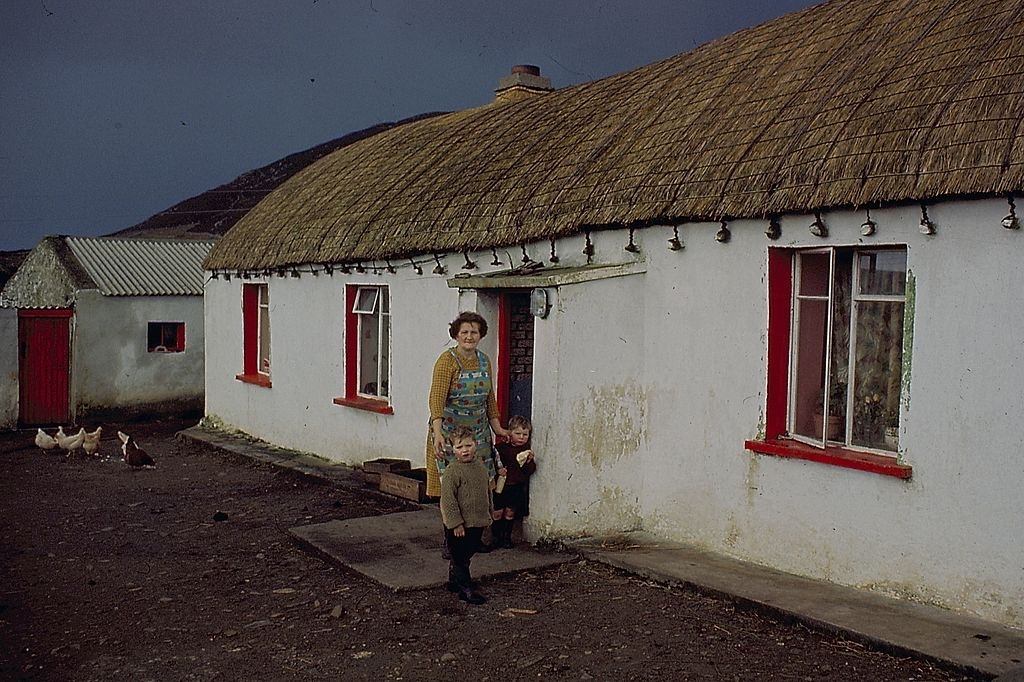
[[463, 318], [461, 432], [519, 421]]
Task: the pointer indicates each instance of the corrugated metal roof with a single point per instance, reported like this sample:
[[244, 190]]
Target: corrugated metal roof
[[143, 267]]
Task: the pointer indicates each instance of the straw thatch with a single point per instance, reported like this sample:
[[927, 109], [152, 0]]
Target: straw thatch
[[854, 102]]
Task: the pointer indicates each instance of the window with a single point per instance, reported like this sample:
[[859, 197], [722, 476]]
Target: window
[[166, 337], [367, 348], [835, 356], [255, 334]]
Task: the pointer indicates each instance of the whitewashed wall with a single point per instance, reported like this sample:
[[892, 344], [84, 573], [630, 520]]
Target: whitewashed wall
[[646, 386], [8, 368], [111, 365]]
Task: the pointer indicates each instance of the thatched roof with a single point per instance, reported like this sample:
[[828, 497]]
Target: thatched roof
[[853, 102]]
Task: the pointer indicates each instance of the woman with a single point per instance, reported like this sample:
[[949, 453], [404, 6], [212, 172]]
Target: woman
[[462, 393]]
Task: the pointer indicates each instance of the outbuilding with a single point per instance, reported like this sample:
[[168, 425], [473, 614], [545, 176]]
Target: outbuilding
[[103, 326], [761, 297]]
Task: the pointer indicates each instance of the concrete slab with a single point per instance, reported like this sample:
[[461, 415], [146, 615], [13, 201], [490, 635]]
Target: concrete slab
[[900, 626], [403, 551]]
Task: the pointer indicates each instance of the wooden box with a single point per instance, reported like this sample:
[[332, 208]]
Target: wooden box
[[411, 484], [372, 469]]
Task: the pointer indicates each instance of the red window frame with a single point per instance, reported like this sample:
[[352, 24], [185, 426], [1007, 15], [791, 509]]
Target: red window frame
[[171, 337], [251, 337], [776, 441], [352, 398]]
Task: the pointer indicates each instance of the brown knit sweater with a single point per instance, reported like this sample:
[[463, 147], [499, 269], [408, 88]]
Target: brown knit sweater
[[465, 495]]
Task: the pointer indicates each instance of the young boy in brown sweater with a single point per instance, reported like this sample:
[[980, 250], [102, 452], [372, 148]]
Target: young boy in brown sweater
[[465, 510]]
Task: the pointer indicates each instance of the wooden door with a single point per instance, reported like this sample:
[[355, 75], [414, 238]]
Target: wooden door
[[44, 345]]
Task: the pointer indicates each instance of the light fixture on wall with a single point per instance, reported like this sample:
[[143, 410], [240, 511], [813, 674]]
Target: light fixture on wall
[[438, 269], [468, 265], [1010, 222], [818, 228], [416, 267], [631, 245], [774, 229], [588, 247], [926, 226], [869, 226], [723, 235], [526, 257], [496, 262], [553, 257], [675, 243]]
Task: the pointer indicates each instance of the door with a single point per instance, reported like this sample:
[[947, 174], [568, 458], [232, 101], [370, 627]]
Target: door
[[515, 355], [44, 345]]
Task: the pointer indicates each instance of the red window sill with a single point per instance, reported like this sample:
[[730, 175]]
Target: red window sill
[[256, 379], [368, 404], [836, 456]]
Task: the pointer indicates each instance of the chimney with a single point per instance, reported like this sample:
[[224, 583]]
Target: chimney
[[524, 82]]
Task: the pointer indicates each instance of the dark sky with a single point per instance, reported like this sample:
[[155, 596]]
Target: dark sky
[[113, 110]]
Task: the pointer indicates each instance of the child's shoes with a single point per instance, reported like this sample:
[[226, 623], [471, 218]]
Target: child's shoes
[[471, 596]]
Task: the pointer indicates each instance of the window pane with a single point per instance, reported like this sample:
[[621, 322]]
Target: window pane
[[368, 350], [839, 370], [366, 300], [264, 359], [809, 384], [264, 294], [385, 360], [385, 304], [877, 373], [883, 272], [814, 274]]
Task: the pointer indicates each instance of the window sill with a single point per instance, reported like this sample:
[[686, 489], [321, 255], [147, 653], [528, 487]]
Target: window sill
[[836, 456], [368, 404], [255, 379]]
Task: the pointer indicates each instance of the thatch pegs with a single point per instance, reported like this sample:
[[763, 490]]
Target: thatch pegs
[[774, 229], [631, 246], [675, 244], [359, 268], [390, 268], [926, 226], [438, 269], [329, 269], [295, 273], [496, 261], [818, 228], [526, 257], [588, 248], [723, 235], [468, 265], [242, 274], [1010, 222], [227, 276], [869, 226], [553, 257], [416, 267], [345, 270]]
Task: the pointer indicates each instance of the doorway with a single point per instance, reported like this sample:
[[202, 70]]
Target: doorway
[[515, 354], [44, 344]]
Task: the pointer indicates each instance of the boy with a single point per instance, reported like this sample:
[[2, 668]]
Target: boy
[[517, 459], [465, 510]]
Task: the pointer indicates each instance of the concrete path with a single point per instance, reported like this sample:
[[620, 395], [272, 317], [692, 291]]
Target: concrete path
[[403, 551], [895, 625]]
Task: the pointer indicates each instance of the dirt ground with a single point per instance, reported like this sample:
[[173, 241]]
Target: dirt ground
[[185, 572]]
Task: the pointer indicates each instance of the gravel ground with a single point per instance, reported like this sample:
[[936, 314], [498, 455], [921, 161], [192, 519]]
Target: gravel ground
[[186, 572]]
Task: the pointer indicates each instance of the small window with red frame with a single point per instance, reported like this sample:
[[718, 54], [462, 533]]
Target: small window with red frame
[[166, 337]]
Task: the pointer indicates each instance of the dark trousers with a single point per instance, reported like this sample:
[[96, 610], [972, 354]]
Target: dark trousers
[[462, 551]]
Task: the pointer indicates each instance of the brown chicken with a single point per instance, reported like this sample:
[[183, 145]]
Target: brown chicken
[[134, 456]]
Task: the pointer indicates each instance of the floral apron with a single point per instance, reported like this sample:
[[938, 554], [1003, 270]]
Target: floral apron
[[467, 406]]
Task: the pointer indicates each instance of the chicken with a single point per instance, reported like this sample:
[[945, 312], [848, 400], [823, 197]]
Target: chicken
[[133, 454], [70, 443], [91, 444], [45, 440]]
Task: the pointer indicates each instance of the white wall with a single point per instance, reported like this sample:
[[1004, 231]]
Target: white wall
[[111, 364], [8, 367], [646, 386]]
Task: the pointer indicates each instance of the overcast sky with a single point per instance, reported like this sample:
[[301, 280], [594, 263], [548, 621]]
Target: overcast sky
[[112, 110]]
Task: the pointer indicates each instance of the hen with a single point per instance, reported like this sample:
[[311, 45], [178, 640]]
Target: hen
[[133, 454], [91, 444], [45, 440], [70, 443]]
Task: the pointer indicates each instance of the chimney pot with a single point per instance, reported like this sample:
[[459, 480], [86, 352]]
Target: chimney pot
[[526, 68]]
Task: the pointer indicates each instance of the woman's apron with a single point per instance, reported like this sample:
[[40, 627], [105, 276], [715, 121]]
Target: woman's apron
[[467, 406]]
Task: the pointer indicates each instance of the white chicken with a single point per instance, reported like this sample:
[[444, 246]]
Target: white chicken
[[71, 443], [134, 456], [45, 440], [91, 444]]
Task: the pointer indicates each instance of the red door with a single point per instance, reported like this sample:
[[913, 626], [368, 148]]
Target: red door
[[43, 366]]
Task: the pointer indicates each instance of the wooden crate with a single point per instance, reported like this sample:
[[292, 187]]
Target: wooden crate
[[412, 484], [372, 469]]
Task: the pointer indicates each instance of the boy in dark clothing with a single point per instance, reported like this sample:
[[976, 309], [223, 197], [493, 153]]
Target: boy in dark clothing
[[518, 465], [465, 510]]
